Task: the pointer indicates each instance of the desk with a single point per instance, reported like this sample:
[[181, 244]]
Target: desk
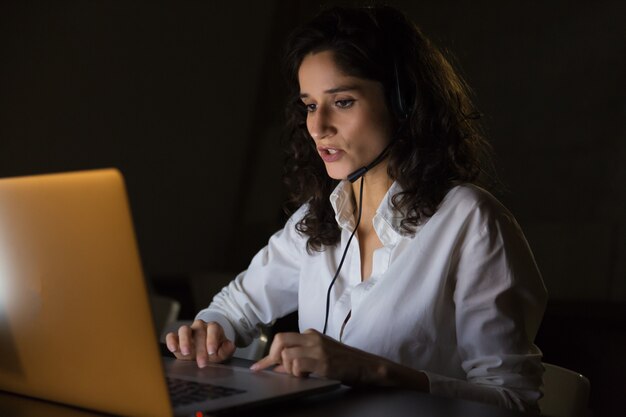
[[347, 402], [344, 402]]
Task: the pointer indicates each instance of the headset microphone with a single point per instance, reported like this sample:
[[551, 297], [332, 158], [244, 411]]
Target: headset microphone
[[352, 177]]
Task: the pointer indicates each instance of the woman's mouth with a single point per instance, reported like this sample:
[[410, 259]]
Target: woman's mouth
[[330, 154]]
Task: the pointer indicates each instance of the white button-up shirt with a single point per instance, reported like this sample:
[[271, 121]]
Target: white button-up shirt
[[461, 299]]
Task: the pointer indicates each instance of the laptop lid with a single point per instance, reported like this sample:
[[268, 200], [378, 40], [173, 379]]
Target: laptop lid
[[73, 302], [75, 320]]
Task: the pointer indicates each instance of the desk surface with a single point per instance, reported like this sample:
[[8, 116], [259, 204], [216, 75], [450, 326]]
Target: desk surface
[[344, 402]]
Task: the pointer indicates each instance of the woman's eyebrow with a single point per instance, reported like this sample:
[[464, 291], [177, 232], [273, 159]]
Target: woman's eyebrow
[[335, 90]]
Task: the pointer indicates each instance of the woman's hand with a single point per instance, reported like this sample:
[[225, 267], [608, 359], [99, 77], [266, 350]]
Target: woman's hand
[[203, 342], [313, 353]]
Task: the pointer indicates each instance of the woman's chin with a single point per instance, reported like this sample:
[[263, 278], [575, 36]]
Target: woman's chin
[[337, 174]]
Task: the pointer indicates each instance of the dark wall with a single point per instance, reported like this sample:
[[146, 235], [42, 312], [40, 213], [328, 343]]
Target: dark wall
[[166, 91]]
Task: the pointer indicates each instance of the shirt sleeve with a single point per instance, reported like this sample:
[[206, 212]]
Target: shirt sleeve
[[499, 301], [267, 290]]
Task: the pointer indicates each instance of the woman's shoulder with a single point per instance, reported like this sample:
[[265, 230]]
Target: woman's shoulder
[[289, 238], [470, 213], [296, 216], [470, 199], [291, 229]]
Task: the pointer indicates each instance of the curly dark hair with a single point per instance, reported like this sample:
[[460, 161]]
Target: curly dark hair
[[438, 142]]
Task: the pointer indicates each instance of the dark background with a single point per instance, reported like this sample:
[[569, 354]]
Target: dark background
[[185, 98]]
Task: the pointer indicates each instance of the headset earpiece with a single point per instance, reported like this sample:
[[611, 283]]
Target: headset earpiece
[[398, 100]]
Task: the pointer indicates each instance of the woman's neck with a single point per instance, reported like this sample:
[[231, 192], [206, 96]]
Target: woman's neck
[[376, 183]]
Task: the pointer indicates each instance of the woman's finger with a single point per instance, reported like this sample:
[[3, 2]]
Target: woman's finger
[[219, 348], [225, 351], [199, 342], [281, 341], [185, 341], [264, 363], [280, 368], [302, 367], [299, 361], [171, 341], [214, 338]]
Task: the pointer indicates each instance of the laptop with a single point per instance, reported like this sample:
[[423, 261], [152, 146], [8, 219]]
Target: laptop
[[75, 320]]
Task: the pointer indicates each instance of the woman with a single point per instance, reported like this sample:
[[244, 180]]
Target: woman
[[407, 275]]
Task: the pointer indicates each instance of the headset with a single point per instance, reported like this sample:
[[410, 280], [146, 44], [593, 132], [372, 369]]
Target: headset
[[399, 101], [402, 110]]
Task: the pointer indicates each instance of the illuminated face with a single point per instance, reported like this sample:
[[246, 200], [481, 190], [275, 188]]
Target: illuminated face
[[347, 116]]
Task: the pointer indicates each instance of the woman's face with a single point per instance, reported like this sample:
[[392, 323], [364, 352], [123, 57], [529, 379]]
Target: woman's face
[[347, 116]]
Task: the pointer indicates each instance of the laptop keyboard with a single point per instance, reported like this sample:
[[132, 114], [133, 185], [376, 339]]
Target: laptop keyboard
[[183, 392]]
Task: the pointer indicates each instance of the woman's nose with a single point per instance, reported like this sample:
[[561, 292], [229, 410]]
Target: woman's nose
[[319, 124]]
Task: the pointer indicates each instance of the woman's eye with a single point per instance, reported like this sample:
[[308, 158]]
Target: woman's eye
[[310, 107], [344, 104]]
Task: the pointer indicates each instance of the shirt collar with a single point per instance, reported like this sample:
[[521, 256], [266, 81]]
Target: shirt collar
[[386, 222], [343, 204]]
